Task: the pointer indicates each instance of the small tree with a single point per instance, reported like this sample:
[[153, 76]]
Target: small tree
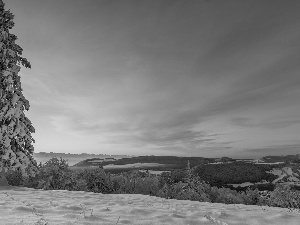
[[188, 173], [15, 128]]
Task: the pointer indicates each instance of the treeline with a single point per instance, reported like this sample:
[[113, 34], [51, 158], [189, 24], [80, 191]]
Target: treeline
[[55, 175], [181, 185], [234, 173]]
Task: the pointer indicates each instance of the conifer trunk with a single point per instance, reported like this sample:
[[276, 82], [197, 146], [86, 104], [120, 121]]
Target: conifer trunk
[[3, 180]]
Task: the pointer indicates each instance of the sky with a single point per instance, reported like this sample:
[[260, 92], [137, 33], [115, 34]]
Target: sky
[[203, 78]]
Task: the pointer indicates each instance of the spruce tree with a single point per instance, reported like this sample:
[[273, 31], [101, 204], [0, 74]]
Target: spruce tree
[[188, 173], [16, 148]]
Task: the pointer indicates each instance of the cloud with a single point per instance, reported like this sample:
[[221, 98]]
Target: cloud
[[247, 122], [171, 76], [287, 149], [77, 124], [245, 38], [175, 137]]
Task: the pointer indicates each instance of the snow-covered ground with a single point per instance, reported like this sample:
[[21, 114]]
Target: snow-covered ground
[[285, 171], [154, 172], [133, 166], [20, 205], [245, 184]]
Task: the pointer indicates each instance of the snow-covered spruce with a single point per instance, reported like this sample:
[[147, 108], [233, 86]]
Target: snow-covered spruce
[[15, 128]]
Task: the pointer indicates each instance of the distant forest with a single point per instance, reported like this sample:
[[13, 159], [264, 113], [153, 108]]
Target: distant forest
[[235, 173]]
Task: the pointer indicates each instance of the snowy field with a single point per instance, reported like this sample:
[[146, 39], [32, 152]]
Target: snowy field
[[20, 205]]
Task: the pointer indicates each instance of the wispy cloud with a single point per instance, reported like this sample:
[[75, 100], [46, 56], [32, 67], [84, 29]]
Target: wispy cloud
[[247, 122], [170, 77], [275, 150]]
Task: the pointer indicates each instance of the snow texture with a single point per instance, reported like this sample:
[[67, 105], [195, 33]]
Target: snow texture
[[21, 205]]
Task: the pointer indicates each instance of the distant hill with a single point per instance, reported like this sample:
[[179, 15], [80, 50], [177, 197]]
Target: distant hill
[[287, 158], [174, 162], [72, 159], [152, 163]]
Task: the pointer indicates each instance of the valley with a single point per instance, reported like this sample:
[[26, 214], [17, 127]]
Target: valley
[[283, 169]]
